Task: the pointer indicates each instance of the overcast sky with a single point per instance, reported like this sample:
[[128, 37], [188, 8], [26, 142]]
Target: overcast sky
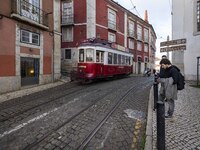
[[159, 15]]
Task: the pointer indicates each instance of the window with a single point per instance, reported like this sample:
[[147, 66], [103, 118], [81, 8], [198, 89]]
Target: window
[[131, 43], [31, 9], [123, 59], [146, 35], [110, 58], [111, 37], [89, 55], [99, 56], [131, 29], [68, 54], [119, 59], [139, 32], [81, 55], [146, 47], [67, 14], [67, 34], [115, 58], [111, 19], [145, 59], [139, 46], [198, 16], [30, 37]]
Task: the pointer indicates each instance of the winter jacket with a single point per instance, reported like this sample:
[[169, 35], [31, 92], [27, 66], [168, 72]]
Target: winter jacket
[[169, 89]]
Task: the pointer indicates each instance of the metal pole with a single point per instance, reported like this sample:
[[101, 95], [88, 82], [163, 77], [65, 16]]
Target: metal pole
[[159, 105], [155, 87], [167, 48], [198, 70], [160, 125]]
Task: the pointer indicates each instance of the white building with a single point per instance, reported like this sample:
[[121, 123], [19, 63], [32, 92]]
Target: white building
[[186, 24]]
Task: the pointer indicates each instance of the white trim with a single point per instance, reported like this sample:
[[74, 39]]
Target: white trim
[[131, 18], [80, 24], [29, 20], [110, 7], [101, 26], [29, 55], [41, 55], [91, 18], [17, 52], [125, 29], [107, 50]]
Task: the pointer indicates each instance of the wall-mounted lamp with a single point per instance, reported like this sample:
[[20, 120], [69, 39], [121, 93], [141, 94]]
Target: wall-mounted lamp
[[1, 16], [30, 50]]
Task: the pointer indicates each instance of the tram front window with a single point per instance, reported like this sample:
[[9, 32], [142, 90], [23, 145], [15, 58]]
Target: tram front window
[[90, 55]]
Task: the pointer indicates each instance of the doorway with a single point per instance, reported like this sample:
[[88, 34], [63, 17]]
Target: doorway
[[29, 71]]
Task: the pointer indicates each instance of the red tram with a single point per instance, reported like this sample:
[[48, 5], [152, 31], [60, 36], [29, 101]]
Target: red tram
[[97, 59]]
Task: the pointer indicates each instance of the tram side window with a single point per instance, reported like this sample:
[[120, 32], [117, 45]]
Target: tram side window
[[127, 60], [99, 56], [110, 57], [89, 55], [81, 55], [119, 59], [102, 57], [115, 58], [123, 59]]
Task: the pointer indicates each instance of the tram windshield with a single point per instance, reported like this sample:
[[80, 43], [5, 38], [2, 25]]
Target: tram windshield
[[89, 55]]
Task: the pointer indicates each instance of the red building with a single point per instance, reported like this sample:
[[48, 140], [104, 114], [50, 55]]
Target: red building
[[29, 43], [105, 19]]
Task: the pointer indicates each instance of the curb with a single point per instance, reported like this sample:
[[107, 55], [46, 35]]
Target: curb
[[149, 130]]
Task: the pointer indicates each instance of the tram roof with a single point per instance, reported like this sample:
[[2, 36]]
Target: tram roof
[[103, 44]]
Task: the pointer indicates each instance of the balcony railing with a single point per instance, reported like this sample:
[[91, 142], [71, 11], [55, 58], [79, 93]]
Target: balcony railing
[[29, 11], [111, 25], [67, 19]]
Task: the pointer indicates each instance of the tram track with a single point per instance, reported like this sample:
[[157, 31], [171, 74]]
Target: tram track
[[87, 138]]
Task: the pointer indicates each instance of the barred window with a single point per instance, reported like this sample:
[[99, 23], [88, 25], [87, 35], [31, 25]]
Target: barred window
[[198, 16]]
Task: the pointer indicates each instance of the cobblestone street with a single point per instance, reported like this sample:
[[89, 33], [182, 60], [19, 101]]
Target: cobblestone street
[[101, 115]]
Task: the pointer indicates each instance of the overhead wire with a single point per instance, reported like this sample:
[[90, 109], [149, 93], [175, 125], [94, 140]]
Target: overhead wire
[[134, 7]]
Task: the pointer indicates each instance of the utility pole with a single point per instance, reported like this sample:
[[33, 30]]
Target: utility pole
[[167, 48]]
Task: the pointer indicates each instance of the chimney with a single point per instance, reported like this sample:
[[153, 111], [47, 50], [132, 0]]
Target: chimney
[[146, 16]]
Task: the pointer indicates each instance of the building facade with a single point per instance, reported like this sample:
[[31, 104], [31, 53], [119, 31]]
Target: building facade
[[186, 24], [29, 43], [108, 20]]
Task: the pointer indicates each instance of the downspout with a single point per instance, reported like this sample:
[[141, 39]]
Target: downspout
[[52, 56]]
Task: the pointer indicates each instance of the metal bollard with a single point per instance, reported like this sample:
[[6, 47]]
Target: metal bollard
[[160, 125], [155, 89]]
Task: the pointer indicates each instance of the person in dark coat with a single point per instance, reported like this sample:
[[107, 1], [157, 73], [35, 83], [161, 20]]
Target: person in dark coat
[[169, 91], [162, 70]]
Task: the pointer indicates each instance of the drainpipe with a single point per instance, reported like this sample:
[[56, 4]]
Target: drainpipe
[[52, 56]]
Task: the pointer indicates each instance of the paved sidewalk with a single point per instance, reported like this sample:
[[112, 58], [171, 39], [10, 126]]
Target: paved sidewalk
[[182, 132], [31, 89]]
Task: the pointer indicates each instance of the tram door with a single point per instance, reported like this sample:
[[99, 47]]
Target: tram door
[[100, 62], [29, 71]]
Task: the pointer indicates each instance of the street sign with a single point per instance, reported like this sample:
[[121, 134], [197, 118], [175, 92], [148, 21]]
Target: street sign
[[173, 48], [173, 42]]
